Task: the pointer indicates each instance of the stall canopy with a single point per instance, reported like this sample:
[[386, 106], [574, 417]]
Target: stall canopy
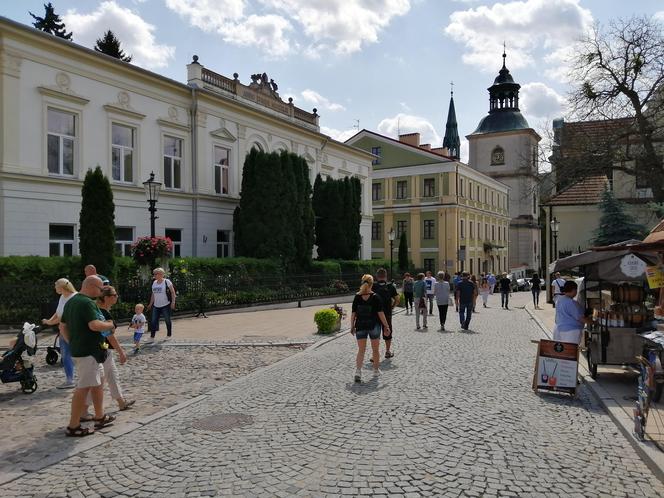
[[615, 265]]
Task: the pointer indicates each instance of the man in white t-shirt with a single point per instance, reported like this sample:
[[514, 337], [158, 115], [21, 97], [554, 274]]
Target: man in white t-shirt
[[430, 283], [558, 283]]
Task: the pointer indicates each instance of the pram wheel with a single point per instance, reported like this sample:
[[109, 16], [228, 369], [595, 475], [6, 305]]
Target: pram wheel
[[51, 357], [28, 386]]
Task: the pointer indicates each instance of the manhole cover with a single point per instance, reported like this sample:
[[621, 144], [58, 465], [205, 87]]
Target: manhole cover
[[223, 422]]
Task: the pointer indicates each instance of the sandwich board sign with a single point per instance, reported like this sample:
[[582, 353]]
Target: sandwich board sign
[[556, 366]]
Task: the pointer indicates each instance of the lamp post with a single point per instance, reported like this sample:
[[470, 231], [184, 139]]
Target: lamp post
[[391, 235], [152, 188], [555, 226]]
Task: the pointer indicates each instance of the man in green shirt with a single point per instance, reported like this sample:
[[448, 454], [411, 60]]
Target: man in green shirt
[[81, 328]]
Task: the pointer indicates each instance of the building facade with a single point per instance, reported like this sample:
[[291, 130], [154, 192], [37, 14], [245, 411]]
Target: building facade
[[504, 147], [454, 217], [66, 109]]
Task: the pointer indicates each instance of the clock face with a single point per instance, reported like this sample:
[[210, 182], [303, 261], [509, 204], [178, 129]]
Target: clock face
[[498, 157]]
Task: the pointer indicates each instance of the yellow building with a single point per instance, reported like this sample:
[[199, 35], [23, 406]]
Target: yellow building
[[454, 217]]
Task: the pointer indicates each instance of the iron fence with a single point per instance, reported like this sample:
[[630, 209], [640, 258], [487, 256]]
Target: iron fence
[[194, 294]]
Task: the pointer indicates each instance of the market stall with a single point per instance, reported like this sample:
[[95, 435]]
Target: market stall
[[614, 290]]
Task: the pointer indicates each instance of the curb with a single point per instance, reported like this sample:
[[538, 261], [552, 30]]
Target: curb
[[651, 455]]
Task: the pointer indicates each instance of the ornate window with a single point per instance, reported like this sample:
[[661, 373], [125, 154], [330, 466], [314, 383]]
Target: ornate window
[[497, 156]]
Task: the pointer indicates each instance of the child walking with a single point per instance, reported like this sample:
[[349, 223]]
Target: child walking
[[138, 324]]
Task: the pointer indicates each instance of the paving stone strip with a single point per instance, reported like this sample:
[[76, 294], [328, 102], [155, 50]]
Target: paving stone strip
[[452, 415]]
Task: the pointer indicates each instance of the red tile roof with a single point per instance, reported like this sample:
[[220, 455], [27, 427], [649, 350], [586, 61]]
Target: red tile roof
[[586, 191]]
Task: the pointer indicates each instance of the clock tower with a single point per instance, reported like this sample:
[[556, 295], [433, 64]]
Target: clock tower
[[504, 147]]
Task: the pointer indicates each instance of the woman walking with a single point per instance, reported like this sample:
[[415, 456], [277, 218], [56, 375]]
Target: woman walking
[[442, 293], [473, 279], [485, 291], [408, 283], [107, 299], [365, 321], [66, 290], [162, 302], [535, 287]]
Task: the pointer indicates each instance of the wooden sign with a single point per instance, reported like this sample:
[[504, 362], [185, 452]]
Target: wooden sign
[[556, 366]]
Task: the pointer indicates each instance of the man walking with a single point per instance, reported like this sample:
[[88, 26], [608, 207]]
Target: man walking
[[390, 297], [492, 281], [557, 286], [466, 293], [430, 282], [81, 328], [505, 291], [91, 270]]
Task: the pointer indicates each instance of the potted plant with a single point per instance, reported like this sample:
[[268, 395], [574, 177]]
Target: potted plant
[[329, 320], [151, 251]]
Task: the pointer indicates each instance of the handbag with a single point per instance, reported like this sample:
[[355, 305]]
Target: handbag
[[101, 355]]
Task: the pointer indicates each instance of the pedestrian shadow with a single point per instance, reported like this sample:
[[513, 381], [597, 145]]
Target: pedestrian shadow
[[469, 331], [366, 386], [560, 398], [388, 365]]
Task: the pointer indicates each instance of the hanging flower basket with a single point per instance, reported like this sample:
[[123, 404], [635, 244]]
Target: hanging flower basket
[[146, 251]]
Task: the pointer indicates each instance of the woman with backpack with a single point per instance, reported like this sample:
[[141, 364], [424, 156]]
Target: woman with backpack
[[162, 302], [365, 321]]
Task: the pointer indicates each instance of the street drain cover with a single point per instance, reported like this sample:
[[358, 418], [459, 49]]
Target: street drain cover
[[223, 422]]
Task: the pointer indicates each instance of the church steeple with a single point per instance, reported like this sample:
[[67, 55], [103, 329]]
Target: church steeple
[[451, 140]]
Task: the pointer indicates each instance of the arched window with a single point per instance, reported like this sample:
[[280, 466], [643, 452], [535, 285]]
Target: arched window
[[497, 156]]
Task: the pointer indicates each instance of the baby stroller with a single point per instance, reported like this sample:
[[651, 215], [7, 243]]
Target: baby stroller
[[16, 363], [53, 352]]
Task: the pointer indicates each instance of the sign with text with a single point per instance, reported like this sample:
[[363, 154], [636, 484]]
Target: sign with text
[[632, 266], [557, 366], [655, 276]]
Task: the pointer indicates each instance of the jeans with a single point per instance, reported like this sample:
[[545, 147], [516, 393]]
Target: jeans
[[536, 293], [504, 299], [420, 311], [408, 296], [431, 298], [465, 313], [442, 313], [164, 311], [67, 361]]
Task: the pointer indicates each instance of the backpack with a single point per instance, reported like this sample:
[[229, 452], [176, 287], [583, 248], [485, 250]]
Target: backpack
[[168, 290], [385, 291], [366, 320]]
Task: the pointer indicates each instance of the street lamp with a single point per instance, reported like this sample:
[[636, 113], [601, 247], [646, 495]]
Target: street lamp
[[391, 235], [152, 193], [555, 226]]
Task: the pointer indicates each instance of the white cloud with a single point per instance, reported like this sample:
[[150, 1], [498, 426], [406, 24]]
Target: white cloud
[[464, 153], [135, 35], [527, 26], [208, 15], [541, 101], [339, 135], [659, 16], [268, 33], [317, 99], [407, 123]]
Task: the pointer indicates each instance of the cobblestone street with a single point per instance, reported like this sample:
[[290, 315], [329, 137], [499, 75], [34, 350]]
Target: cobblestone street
[[452, 415]]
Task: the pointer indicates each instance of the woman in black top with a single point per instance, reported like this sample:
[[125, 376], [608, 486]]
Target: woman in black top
[[535, 287], [366, 317]]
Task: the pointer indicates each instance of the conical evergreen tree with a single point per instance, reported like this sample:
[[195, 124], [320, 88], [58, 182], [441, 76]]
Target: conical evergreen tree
[[615, 225], [51, 23], [403, 252], [110, 45], [97, 222]]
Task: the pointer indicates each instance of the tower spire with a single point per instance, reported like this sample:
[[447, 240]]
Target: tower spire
[[504, 55], [452, 142]]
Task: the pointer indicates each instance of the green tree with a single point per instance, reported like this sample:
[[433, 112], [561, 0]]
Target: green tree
[[51, 23], [403, 252], [110, 45], [615, 225], [97, 222]]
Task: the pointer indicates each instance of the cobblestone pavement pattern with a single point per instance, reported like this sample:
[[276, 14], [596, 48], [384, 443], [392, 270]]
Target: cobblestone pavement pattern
[[157, 378], [453, 414]]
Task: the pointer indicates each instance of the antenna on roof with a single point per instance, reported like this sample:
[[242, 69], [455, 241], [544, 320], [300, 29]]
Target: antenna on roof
[[504, 54], [399, 127], [357, 125]]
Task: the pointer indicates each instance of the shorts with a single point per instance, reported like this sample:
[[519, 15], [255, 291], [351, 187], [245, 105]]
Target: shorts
[[372, 334], [137, 336], [90, 373]]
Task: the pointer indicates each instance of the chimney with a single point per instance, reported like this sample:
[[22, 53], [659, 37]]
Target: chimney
[[425, 146], [410, 139], [442, 151]]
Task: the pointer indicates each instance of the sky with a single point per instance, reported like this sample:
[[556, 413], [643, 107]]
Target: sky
[[383, 65]]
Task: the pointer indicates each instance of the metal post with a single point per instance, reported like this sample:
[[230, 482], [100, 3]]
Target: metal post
[[391, 254], [555, 246], [152, 210]]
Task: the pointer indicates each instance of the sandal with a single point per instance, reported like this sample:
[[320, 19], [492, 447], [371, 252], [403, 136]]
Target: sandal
[[100, 423], [78, 431], [127, 405]]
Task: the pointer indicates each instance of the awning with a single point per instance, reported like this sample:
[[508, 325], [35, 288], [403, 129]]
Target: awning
[[608, 265]]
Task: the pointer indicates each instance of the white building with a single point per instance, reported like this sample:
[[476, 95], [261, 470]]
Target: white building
[[504, 147], [65, 109]]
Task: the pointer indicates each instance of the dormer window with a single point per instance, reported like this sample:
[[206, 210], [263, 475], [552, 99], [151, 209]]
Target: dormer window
[[497, 156]]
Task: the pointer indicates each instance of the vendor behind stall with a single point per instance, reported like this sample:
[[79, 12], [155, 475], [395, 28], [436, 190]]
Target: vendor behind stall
[[570, 317]]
